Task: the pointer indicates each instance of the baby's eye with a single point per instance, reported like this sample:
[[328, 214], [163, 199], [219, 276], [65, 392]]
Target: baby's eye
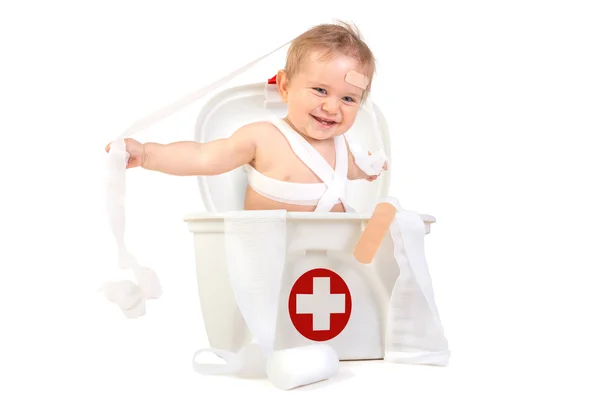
[[320, 90], [348, 99]]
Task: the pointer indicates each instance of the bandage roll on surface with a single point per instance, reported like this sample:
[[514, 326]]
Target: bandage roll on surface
[[300, 366]]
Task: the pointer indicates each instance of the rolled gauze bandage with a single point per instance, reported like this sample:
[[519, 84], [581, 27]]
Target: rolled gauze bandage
[[299, 366]]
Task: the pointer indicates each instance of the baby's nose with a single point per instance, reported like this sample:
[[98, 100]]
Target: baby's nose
[[331, 106]]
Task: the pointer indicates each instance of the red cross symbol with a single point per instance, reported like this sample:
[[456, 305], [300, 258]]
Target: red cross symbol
[[320, 304]]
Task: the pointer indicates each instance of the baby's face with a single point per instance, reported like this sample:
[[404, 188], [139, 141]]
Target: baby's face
[[321, 104]]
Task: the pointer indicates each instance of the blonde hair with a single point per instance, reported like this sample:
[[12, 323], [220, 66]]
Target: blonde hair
[[341, 37]]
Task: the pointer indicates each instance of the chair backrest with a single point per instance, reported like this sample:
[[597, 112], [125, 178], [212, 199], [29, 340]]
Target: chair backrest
[[232, 108]]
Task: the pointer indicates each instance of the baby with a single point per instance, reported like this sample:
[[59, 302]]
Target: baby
[[327, 75]]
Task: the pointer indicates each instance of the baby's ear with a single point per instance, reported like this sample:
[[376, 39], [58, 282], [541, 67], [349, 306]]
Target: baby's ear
[[282, 84]]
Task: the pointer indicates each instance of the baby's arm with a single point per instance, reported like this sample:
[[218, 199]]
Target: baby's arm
[[212, 158]]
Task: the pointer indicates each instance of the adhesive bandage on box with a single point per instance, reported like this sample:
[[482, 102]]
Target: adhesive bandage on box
[[373, 235], [357, 79]]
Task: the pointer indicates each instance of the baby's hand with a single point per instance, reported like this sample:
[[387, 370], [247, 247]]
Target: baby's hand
[[371, 178], [136, 152]]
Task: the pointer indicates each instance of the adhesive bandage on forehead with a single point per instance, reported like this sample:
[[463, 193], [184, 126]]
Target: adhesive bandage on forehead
[[357, 79]]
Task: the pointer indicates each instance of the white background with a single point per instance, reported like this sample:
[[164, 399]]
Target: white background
[[494, 111]]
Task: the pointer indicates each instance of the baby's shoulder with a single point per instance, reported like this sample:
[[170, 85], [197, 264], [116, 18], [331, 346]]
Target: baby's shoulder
[[260, 130]]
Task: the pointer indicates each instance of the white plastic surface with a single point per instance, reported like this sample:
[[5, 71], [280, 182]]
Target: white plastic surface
[[232, 108], [313, 241]]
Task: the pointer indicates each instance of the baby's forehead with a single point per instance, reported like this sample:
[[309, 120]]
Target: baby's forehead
[[322, 58], [319, 62], [334, 69]]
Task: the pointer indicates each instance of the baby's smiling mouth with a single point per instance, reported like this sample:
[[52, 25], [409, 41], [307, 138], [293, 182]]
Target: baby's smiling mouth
[[324, 121]]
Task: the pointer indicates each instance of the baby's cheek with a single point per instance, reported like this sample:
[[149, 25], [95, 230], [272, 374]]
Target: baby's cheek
[[314, 103]]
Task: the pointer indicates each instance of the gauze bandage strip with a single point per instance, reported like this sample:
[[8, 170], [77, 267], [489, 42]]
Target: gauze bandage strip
[[415, 334], [129, 296]]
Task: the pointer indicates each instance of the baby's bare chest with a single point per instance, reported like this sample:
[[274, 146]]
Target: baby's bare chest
[[276, 159]]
